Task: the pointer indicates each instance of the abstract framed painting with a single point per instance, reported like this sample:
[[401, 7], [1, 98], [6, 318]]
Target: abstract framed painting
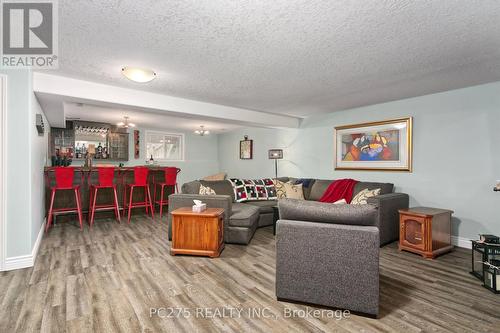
[[382, 145]]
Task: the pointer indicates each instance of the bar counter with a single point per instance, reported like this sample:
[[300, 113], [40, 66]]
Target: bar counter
[[86, 176]]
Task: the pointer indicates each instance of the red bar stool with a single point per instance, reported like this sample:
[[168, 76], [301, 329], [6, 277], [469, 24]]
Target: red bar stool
[[170, 180], [140, 180], [106, 176], [64, 177]]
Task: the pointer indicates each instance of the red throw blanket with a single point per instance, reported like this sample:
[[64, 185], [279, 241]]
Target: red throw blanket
[[339, 189]]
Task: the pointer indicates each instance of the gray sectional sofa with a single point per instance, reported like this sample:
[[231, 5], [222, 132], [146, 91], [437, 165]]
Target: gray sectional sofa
[[328, 255], [241, 220]]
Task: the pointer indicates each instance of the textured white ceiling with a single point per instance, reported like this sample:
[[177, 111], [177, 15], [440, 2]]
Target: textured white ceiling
[[284, 56]]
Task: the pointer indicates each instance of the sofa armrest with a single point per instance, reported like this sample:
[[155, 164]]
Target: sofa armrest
[[387, 219], [328, 264], [186, 200]]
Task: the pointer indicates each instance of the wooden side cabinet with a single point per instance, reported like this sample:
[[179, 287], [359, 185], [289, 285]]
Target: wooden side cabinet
[[425, 230], [200, 234]]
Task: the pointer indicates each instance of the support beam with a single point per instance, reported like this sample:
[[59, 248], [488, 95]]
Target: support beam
[[66, 89]]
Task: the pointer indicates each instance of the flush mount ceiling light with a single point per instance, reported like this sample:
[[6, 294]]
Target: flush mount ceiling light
[[125, 124], [141, 75], [202, 131]]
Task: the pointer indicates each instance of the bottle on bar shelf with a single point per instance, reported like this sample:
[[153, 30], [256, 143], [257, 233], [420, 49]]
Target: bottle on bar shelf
[[99, 151], [78, 151]]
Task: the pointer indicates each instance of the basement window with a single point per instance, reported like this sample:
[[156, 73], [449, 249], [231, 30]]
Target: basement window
[[165, 146]]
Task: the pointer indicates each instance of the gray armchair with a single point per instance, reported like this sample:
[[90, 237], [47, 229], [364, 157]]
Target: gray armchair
[[328, 255]]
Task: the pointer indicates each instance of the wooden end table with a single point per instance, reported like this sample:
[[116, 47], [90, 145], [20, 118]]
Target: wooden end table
[[425, 231], [200, 234]]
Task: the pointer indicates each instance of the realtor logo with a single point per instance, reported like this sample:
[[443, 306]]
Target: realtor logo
[[29, 33]]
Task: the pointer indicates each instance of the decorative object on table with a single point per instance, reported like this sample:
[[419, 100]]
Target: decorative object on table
[[137, 144], [199, 206], [200, 234], [275, 154], [383, 145], [362, 197], [40, 126], [246, 148], [485, 238], [202, 131], [425, 231], [485, 264], [89, 155]]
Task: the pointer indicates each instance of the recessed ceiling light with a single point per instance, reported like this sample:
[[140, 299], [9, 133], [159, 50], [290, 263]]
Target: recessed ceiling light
[[141, 75]]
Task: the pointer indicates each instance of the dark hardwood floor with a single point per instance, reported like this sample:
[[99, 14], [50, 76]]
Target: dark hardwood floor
[[109, 278]]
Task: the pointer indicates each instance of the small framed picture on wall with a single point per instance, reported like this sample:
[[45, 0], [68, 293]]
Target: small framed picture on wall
[[246, 149]]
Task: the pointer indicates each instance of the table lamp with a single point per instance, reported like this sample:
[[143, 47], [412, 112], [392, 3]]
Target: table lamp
[[276, 154]]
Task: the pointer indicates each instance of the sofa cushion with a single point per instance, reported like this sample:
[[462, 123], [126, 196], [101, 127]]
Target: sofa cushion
[[244, 215], [221, 187], [264, 206], [191, 187], [318, 188], [385, 188], [302, 210]]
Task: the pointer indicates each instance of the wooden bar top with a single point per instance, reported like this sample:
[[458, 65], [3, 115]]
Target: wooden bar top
[[209, 212], [94, 167]]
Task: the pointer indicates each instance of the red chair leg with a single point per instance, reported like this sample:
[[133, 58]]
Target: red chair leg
[[51, 213], [90, 205], [150, 205], [146, 199], [154, 195], [94, 199], [117, 209], [124, 200], [130, 202], [161, 200], [79, 208]]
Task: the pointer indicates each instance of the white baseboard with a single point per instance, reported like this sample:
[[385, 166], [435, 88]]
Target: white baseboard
[[461, 242], [26, 260]]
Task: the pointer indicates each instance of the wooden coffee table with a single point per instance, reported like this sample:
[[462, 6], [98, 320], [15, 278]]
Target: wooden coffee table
[[199, 234]]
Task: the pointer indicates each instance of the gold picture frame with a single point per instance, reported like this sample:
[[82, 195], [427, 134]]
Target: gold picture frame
[[375, 146]]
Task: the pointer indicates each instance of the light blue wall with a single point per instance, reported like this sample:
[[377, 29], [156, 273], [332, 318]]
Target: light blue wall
[[456, 153], [200, 155], [39, 144], [26, 153]]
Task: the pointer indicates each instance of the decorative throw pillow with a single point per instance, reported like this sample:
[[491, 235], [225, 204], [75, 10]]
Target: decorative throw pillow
[[280, 189], [362, 197], [217, 176], [250, 188], [206, 190], [340, 202], [270, 189], [294, 191], [260, 189], [240, 193]]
